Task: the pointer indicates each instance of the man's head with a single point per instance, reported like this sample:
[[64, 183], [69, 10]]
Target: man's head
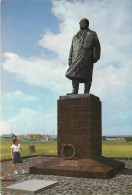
[[84, 23]]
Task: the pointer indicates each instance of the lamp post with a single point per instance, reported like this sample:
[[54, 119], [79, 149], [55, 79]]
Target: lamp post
[[11, 126]]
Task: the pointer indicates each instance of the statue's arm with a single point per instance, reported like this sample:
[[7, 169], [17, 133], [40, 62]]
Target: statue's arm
[[97, 49], [70, 54]]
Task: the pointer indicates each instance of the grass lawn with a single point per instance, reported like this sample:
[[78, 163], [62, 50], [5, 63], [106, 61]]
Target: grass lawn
[[109, 148], [41, 147], [118, 148]]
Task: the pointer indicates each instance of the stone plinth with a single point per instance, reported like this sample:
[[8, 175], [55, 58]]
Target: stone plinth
[[99, 167], [32, 186], [79, 124], [79, 141]]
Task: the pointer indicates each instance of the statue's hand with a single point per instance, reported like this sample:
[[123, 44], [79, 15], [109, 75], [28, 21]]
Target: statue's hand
[[94, 60], [70, 62]]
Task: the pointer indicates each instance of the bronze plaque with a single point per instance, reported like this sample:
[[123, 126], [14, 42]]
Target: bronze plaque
[[69, 163]]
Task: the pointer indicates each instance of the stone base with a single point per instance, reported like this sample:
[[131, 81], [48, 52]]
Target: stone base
[[80, 124], [32, 186], [100, 167]]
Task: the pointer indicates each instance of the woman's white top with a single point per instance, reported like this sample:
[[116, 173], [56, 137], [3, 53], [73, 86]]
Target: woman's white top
[[16, 148]]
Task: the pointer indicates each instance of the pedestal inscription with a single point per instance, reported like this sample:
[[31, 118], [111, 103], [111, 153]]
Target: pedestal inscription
[[69, 163]]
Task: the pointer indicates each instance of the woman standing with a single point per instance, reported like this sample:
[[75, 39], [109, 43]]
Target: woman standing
[[16, 151]]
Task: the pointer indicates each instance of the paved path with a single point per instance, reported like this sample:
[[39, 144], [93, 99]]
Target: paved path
[[120, 184]]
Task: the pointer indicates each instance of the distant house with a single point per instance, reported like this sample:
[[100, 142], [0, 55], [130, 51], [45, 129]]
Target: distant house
[[44, 136], [110, 138], [7, 136], [45, 139], [53, 138], [25, 138]]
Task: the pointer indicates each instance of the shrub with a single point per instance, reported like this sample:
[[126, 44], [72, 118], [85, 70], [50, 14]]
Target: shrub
[[128, 139]]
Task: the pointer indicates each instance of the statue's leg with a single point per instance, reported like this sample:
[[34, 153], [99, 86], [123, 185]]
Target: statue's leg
[[87, 86], [75, 86]]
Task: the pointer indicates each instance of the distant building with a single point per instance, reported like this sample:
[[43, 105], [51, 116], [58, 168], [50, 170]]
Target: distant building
[[7, 136], [45, 139], [25, 138], [45, 135], [110, 138], [104, 138], [53, 138]]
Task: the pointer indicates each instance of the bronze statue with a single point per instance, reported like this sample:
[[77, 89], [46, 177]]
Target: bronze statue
[[85, 50]]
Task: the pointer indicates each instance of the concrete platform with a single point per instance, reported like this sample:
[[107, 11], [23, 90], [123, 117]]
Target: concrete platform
[[32, 186], [100, 167]]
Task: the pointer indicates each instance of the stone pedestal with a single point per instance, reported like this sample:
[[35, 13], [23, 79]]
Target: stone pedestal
[[79, 124], [79, 141]]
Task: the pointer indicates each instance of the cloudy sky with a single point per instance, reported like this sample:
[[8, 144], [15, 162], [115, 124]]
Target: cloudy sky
[[36, 38]]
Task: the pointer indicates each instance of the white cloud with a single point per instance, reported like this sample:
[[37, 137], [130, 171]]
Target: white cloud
[[110, 19], [29, 121], [112, 74], [19, 95], [46, 73], [113, 87]]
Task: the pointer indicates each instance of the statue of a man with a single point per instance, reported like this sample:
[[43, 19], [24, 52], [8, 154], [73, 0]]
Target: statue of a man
[[85, 50]]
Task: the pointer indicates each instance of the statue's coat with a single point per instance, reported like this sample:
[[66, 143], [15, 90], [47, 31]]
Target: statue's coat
[[85, 50]]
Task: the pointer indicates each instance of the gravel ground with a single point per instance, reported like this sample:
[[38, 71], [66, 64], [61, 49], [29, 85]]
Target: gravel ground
[[120, 184]]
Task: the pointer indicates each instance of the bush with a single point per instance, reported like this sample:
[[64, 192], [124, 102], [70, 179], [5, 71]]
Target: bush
[[128, 139]]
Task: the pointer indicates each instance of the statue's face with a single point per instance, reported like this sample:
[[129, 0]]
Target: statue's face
[[83, 24]]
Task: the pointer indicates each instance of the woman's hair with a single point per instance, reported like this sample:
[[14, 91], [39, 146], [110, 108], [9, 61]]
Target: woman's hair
[[14, 141]]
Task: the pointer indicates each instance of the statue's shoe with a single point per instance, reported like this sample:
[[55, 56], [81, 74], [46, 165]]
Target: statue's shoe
[[73, 93], [86, 91]]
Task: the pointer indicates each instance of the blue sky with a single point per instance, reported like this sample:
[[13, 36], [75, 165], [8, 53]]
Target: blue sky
[[36, 38]]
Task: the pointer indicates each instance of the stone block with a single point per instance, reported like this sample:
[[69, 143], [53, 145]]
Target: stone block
[[99, 167], [79, 123], [32, 186]]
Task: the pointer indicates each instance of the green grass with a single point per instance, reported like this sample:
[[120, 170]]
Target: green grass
[[117, 148], [109, 148], [41, 147]]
